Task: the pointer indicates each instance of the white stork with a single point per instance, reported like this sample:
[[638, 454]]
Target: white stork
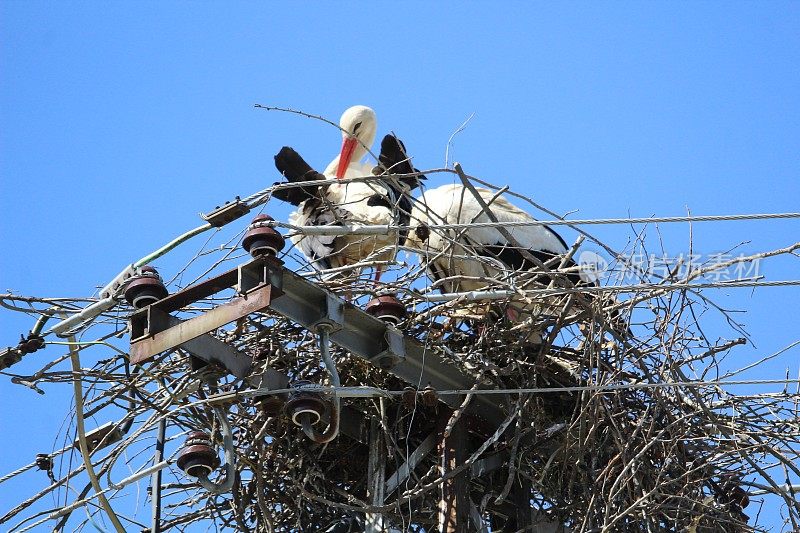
[[474, 258], [332, 203]]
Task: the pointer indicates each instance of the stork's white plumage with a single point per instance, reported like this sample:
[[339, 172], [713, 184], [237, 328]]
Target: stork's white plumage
[[348, 203], [335, 203], [473, 254], [472, 257]]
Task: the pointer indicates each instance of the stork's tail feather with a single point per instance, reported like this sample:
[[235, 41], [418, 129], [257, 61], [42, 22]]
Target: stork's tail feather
[[394, 160], [294, 168]]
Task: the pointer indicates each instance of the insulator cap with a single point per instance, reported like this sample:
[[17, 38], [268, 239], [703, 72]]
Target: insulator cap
[[198, 457], [145, 288], [429, 396], [44, 461], [305, 403], [387, 308], [409, 397], [272, 404], [262, 240]]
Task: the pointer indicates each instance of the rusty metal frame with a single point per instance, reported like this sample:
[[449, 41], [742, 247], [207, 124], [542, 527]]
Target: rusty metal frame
[[264, 283], [154, 330]]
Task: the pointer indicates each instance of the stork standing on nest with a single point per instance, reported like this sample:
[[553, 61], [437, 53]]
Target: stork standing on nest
[[464, 258], [474, 258], [331, 203]]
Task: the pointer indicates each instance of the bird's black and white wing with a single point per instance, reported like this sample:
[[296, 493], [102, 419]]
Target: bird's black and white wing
[[474, 251], [394, 160], [335, 203]]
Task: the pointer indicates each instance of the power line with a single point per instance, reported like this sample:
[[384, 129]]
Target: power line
[[641, 220], [385, 229], [626, 386], [374, 392], [261, 196], [503, 294]]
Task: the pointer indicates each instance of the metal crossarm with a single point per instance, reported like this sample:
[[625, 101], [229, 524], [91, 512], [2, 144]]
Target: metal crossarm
[[265, 284]]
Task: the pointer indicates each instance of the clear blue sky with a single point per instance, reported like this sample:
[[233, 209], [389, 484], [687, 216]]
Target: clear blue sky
[[120, 122]]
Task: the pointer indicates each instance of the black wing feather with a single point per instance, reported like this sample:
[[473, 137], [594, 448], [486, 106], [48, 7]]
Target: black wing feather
[[394, 160], [294, 168], [514, 259]]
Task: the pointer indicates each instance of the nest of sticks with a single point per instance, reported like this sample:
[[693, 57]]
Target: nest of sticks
[[602, 430]]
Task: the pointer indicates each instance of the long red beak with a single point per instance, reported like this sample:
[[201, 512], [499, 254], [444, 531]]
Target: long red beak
[[348, 147]]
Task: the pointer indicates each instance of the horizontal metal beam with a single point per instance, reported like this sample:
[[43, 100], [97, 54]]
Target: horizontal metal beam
[[193, 293], [212, 350], [158, 332], [266, 283], [376, 341]]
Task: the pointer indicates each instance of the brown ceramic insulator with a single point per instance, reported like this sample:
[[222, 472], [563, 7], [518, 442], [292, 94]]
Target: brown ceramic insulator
[[387, 308], [409, 397], [145, 288], [271, 405], [198, 457], [429, 397], [262, 240], [305, 403]]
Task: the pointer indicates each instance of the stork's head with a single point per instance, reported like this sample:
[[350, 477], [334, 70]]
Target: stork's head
[[359, 125]]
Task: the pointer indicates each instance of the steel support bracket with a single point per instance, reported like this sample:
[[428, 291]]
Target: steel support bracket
[[154, 330], [331, 314], [264, 283], [257, 273], [363, 335], [394, 349]]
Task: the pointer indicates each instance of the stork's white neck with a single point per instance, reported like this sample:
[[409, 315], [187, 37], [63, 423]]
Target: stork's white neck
[[358, 124]]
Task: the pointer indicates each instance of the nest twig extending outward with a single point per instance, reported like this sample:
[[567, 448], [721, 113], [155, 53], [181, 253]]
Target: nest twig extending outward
[[602, 443]]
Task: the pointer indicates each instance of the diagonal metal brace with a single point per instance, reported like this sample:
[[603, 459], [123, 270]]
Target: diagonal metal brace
[[154, 330], [414, 459]]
